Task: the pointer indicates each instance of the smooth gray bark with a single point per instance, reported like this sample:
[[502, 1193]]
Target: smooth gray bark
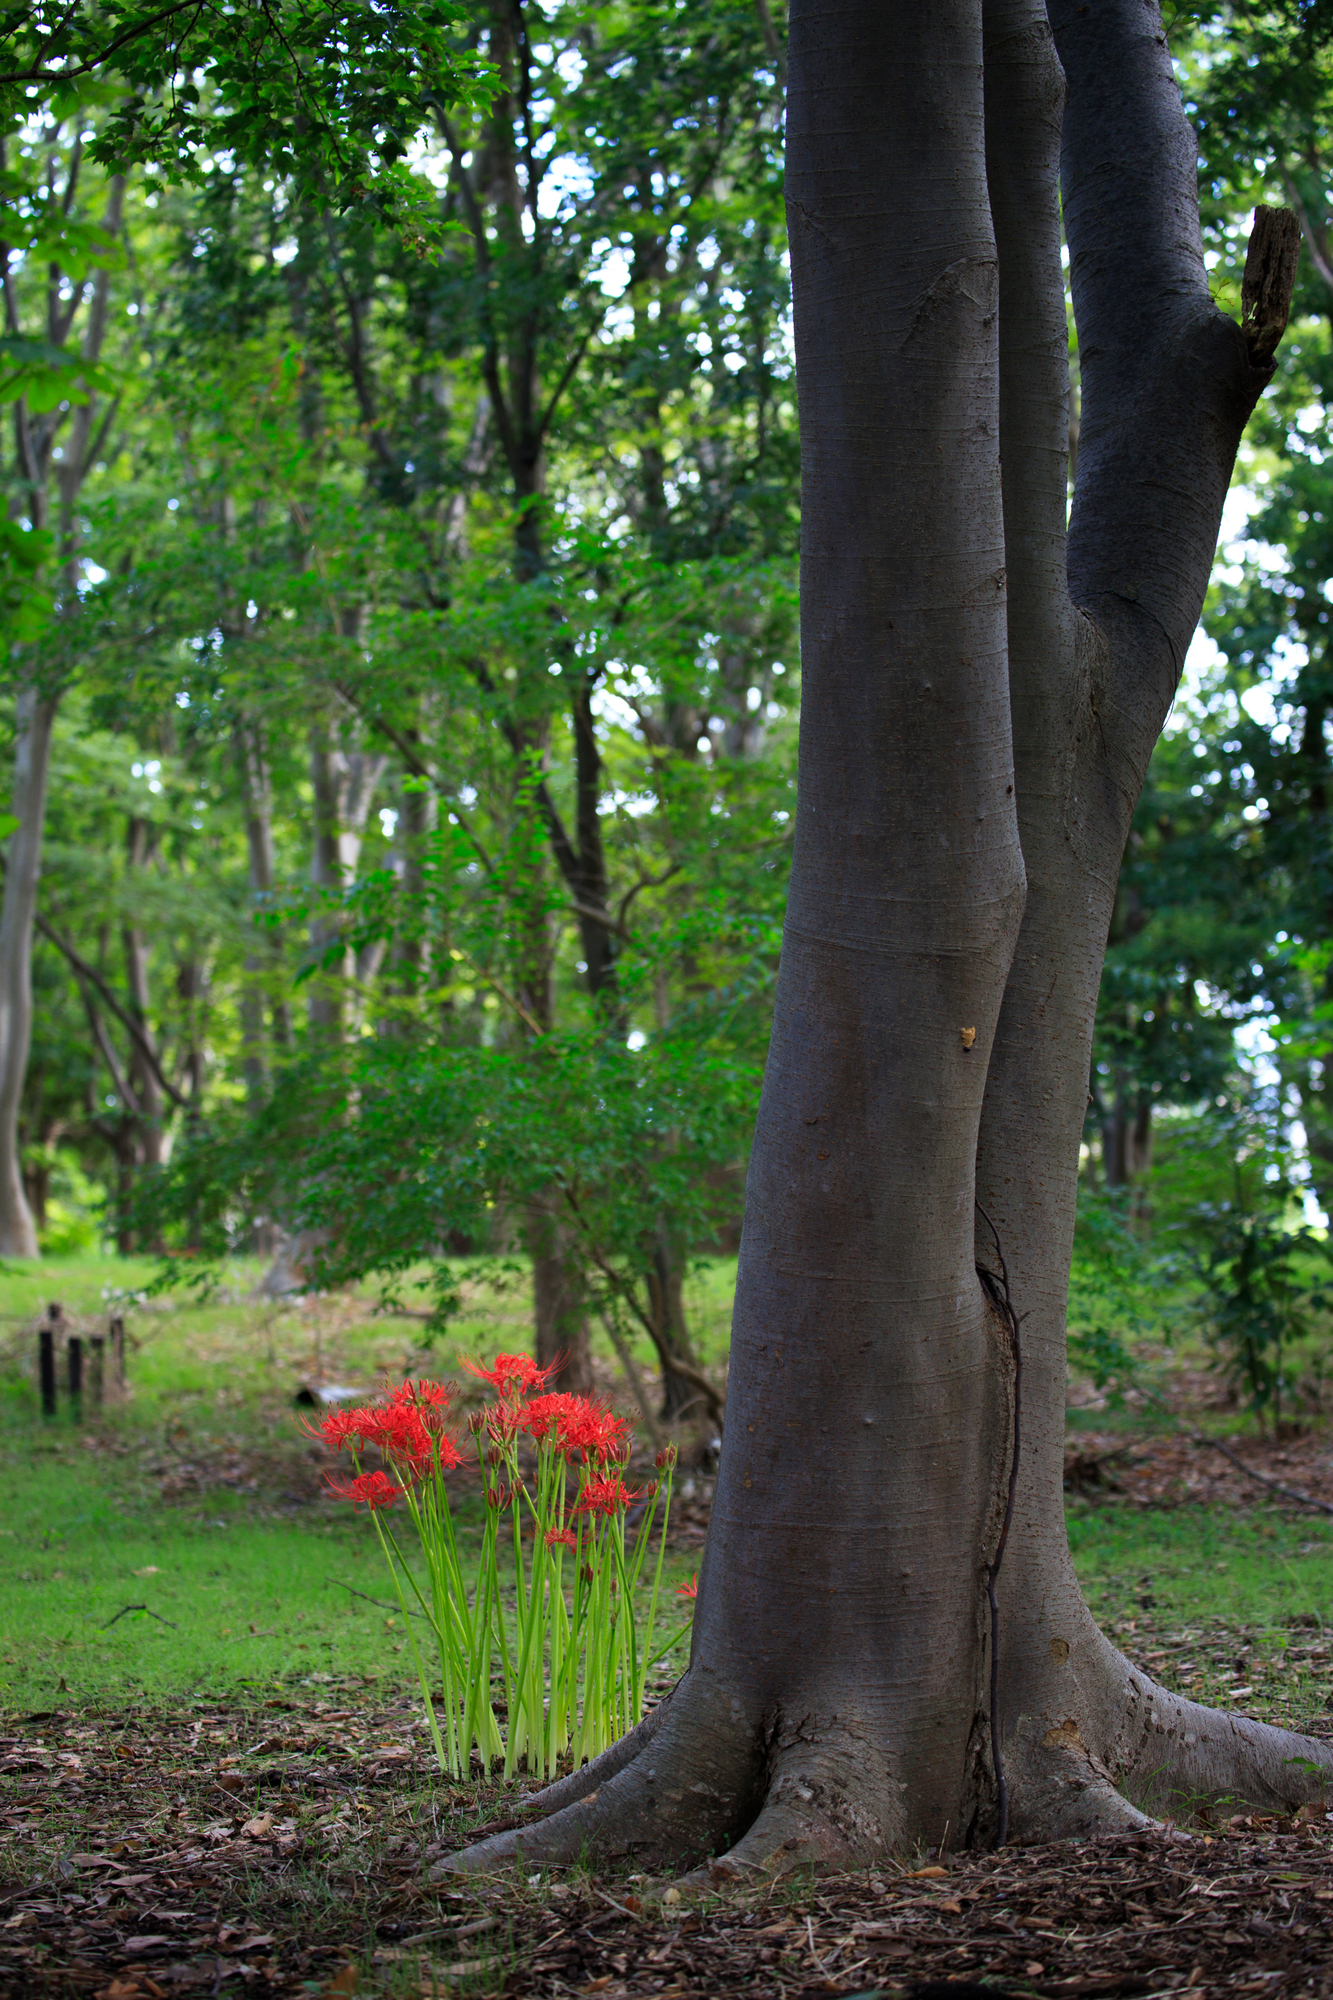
[[147, 1103], [1097, 638], [979, 705], [836, 1666]]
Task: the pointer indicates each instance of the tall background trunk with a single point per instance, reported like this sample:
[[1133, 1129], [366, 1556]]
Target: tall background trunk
[[35, 720]]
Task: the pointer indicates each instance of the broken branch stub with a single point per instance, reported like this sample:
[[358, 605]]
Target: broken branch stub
[[1270, 274]]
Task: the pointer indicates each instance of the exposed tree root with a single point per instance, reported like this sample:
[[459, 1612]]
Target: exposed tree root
[[702, 1783], [829, 1802], [1060, 1788], [1174, 1754], [687, 1792]]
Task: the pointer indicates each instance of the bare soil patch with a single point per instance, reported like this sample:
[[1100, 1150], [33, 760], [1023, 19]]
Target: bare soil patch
[[1171, 1470]]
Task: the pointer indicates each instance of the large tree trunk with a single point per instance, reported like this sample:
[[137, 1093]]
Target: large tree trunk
[[932, 1031], [35, 717]]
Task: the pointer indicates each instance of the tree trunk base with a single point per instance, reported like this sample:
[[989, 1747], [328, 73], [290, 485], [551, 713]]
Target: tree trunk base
[[703, 1787]]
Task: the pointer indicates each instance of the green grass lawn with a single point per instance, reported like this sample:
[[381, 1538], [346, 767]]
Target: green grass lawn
[[197, 1499]]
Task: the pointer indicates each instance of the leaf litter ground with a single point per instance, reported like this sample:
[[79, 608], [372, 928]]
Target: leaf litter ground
[[236, 1844], [278, 1849], [277, 1846]]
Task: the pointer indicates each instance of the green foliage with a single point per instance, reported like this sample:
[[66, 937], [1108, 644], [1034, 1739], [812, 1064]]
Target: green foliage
[[25, 604], [1263, 1286], [45, 376], [445, 1136], [1120, 1287], [326, 93]]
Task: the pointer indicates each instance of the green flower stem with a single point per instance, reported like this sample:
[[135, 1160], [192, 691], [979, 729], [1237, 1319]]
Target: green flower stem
[[450, 1768]]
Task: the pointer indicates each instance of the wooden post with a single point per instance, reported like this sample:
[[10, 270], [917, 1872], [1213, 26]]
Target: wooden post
[[74, 1357], [97, 1371], [116, 1329], [46, 1363]]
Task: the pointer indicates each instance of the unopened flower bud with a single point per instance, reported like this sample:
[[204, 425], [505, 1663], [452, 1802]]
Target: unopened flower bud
[[494, 1456], [665, 1457]]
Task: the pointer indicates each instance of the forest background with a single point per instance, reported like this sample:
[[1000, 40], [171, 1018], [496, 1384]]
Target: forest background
[[401, 676]]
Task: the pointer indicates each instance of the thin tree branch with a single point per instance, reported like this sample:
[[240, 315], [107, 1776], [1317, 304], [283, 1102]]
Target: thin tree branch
[[646, 882], [103, 56], [415, 764], [631, 1368], [716, 1402], [564, 382], [1287, 1492], [84, 971], [120, 1082]]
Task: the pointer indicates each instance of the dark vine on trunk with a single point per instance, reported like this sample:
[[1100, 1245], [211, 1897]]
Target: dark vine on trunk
[[996, 1287]]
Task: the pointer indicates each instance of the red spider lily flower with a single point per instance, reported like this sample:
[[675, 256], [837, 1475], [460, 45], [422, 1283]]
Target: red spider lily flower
[[514, 1375], [581, 1426], [606, 1496], [340, 1427], [610, 1439], [423, 1394], [562, 1538], [369, 1489], [403, 1436], [690, 1589], [553, 1413], [665, 1457], [447, 1455]]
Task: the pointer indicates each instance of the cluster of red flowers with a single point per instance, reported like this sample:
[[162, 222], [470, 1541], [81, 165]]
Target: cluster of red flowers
[[409, 1431], [576, 1424]]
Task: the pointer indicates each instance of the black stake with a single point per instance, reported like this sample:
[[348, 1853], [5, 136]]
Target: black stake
[[116, 1329], [46, 1365]]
